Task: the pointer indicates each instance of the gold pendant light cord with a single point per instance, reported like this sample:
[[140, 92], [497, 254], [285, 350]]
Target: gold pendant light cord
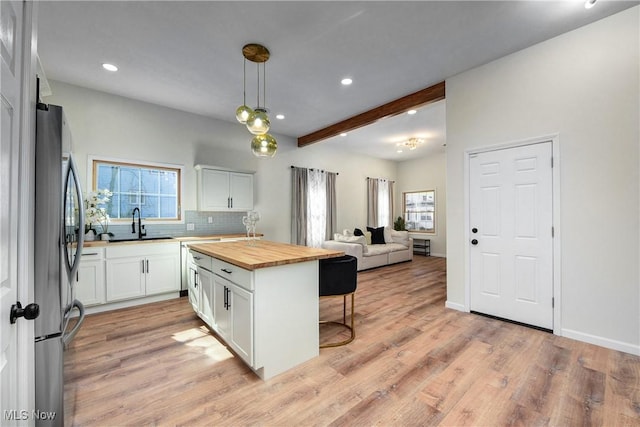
[[258, 91], [244, 82]]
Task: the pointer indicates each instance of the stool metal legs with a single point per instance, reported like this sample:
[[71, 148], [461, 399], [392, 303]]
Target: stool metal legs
[[344, 320]]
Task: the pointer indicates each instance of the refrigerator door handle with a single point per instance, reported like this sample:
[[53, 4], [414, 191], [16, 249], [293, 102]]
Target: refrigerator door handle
[[68, 337], [72, 171]]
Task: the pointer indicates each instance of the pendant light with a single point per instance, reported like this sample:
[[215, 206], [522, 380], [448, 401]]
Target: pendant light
[[264, 145], [243, 111], [257, 120]]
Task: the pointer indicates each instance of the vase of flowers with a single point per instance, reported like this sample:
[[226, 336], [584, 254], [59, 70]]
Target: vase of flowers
[[96, 214]]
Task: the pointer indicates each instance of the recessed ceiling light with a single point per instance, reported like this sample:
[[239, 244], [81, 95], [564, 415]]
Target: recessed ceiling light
[[346, 81], [399, 151], [412, 112], [589, 4], [343, 134], [280, 116], [109, 67]]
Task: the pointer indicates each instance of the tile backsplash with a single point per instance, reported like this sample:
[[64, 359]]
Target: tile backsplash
[[222, 223]]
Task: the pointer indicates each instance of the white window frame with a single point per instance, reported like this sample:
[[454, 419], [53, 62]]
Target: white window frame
[[91, 159]]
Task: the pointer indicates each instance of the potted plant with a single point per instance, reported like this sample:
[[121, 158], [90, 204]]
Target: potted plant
[[399, 224], [96, 214]]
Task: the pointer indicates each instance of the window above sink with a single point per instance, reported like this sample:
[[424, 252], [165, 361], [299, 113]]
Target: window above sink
[[154, 188]]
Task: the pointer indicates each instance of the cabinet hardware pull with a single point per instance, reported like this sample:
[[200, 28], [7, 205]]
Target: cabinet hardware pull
[[142, 266], [226, 271], [231, 202], [228, 202], [147, 266], [197, 258], [90, 254], [228, 301], [225, 297]]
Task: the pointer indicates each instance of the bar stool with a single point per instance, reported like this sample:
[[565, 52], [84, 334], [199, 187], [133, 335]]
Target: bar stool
[[338, 278]]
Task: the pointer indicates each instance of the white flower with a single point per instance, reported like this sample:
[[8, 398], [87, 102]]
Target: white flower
[[95, 212]]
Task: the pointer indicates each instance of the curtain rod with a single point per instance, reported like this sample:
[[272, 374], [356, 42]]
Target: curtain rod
[[312, 169], [384, 179]]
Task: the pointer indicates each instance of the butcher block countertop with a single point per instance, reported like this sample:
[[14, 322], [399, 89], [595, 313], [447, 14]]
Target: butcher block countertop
[[263, 253]]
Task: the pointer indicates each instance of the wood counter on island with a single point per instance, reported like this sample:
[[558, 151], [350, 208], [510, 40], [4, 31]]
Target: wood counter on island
[[262, 253], [261, 298]]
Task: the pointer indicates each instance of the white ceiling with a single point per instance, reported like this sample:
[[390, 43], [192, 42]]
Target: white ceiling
[[187, 55]]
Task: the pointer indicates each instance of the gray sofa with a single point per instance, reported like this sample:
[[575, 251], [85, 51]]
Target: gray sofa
[[398, 247]]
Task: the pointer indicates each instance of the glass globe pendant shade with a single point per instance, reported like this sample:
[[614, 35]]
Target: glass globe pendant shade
[[264, 145], [242, 113], [258, 123]]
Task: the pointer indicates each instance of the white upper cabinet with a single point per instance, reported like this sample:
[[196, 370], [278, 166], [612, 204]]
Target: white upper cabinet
[[223, 190]]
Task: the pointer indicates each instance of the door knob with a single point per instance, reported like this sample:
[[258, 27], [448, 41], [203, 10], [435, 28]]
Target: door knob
[[30, 312], [474, 230], [474, 242]]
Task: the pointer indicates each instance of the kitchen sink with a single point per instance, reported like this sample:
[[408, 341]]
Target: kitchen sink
[[144, 239]]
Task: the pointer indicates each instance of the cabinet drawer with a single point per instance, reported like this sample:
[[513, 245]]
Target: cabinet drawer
[[92, 254], [235, 274], [142, 249], [201, 260]]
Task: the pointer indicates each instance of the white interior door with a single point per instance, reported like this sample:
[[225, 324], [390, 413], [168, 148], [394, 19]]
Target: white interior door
[[511, 244], [10, 111]]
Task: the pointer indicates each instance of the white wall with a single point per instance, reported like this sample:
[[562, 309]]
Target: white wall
[[108, 125], [427, 173], [584, 86]]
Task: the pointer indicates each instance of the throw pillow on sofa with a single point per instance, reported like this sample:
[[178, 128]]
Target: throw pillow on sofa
[[377, 235], [401, 237], [352, 239]]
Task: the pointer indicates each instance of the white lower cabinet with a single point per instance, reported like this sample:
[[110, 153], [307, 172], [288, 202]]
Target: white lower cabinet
[[125, 278], [90, 284], [204, 285], [163, 273], [233, 316], [222, 317], [134, 271], [241, 313]]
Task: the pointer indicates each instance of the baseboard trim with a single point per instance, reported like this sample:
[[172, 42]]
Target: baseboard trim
[[602, 342], [130, 303], [455, 306]]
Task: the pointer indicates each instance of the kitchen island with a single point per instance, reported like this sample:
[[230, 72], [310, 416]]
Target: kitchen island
[[261, 298]]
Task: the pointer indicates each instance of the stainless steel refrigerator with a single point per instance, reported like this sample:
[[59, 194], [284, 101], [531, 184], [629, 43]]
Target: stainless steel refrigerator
[[59, 233]]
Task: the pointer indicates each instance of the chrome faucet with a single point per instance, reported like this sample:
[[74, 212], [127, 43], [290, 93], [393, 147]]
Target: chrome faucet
[[141, 231]]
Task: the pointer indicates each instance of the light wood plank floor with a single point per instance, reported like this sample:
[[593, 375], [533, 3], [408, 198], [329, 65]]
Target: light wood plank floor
[[413, 363]]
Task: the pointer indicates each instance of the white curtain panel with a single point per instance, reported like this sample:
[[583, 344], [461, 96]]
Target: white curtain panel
[[316, 208], [384, 207]]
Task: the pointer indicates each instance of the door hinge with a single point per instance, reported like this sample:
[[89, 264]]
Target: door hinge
[[553, 232], [553, 302], [551, 162]]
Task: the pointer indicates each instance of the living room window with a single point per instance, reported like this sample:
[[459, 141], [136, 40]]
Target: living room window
[[153, 188], [419, 208]]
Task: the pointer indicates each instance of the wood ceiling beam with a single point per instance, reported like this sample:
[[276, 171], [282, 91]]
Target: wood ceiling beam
[[417, 99]]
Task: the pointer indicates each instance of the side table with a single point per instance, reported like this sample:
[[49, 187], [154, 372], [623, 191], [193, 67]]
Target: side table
[[422, 246]]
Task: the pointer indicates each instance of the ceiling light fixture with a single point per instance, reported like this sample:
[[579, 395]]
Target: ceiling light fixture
[[256, 120], [109, 67], [280, 117], [588, 4], [412, 112], [346, 81], [411, 143]]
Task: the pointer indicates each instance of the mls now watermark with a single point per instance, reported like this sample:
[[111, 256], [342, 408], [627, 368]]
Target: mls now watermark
[[23, 415]]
